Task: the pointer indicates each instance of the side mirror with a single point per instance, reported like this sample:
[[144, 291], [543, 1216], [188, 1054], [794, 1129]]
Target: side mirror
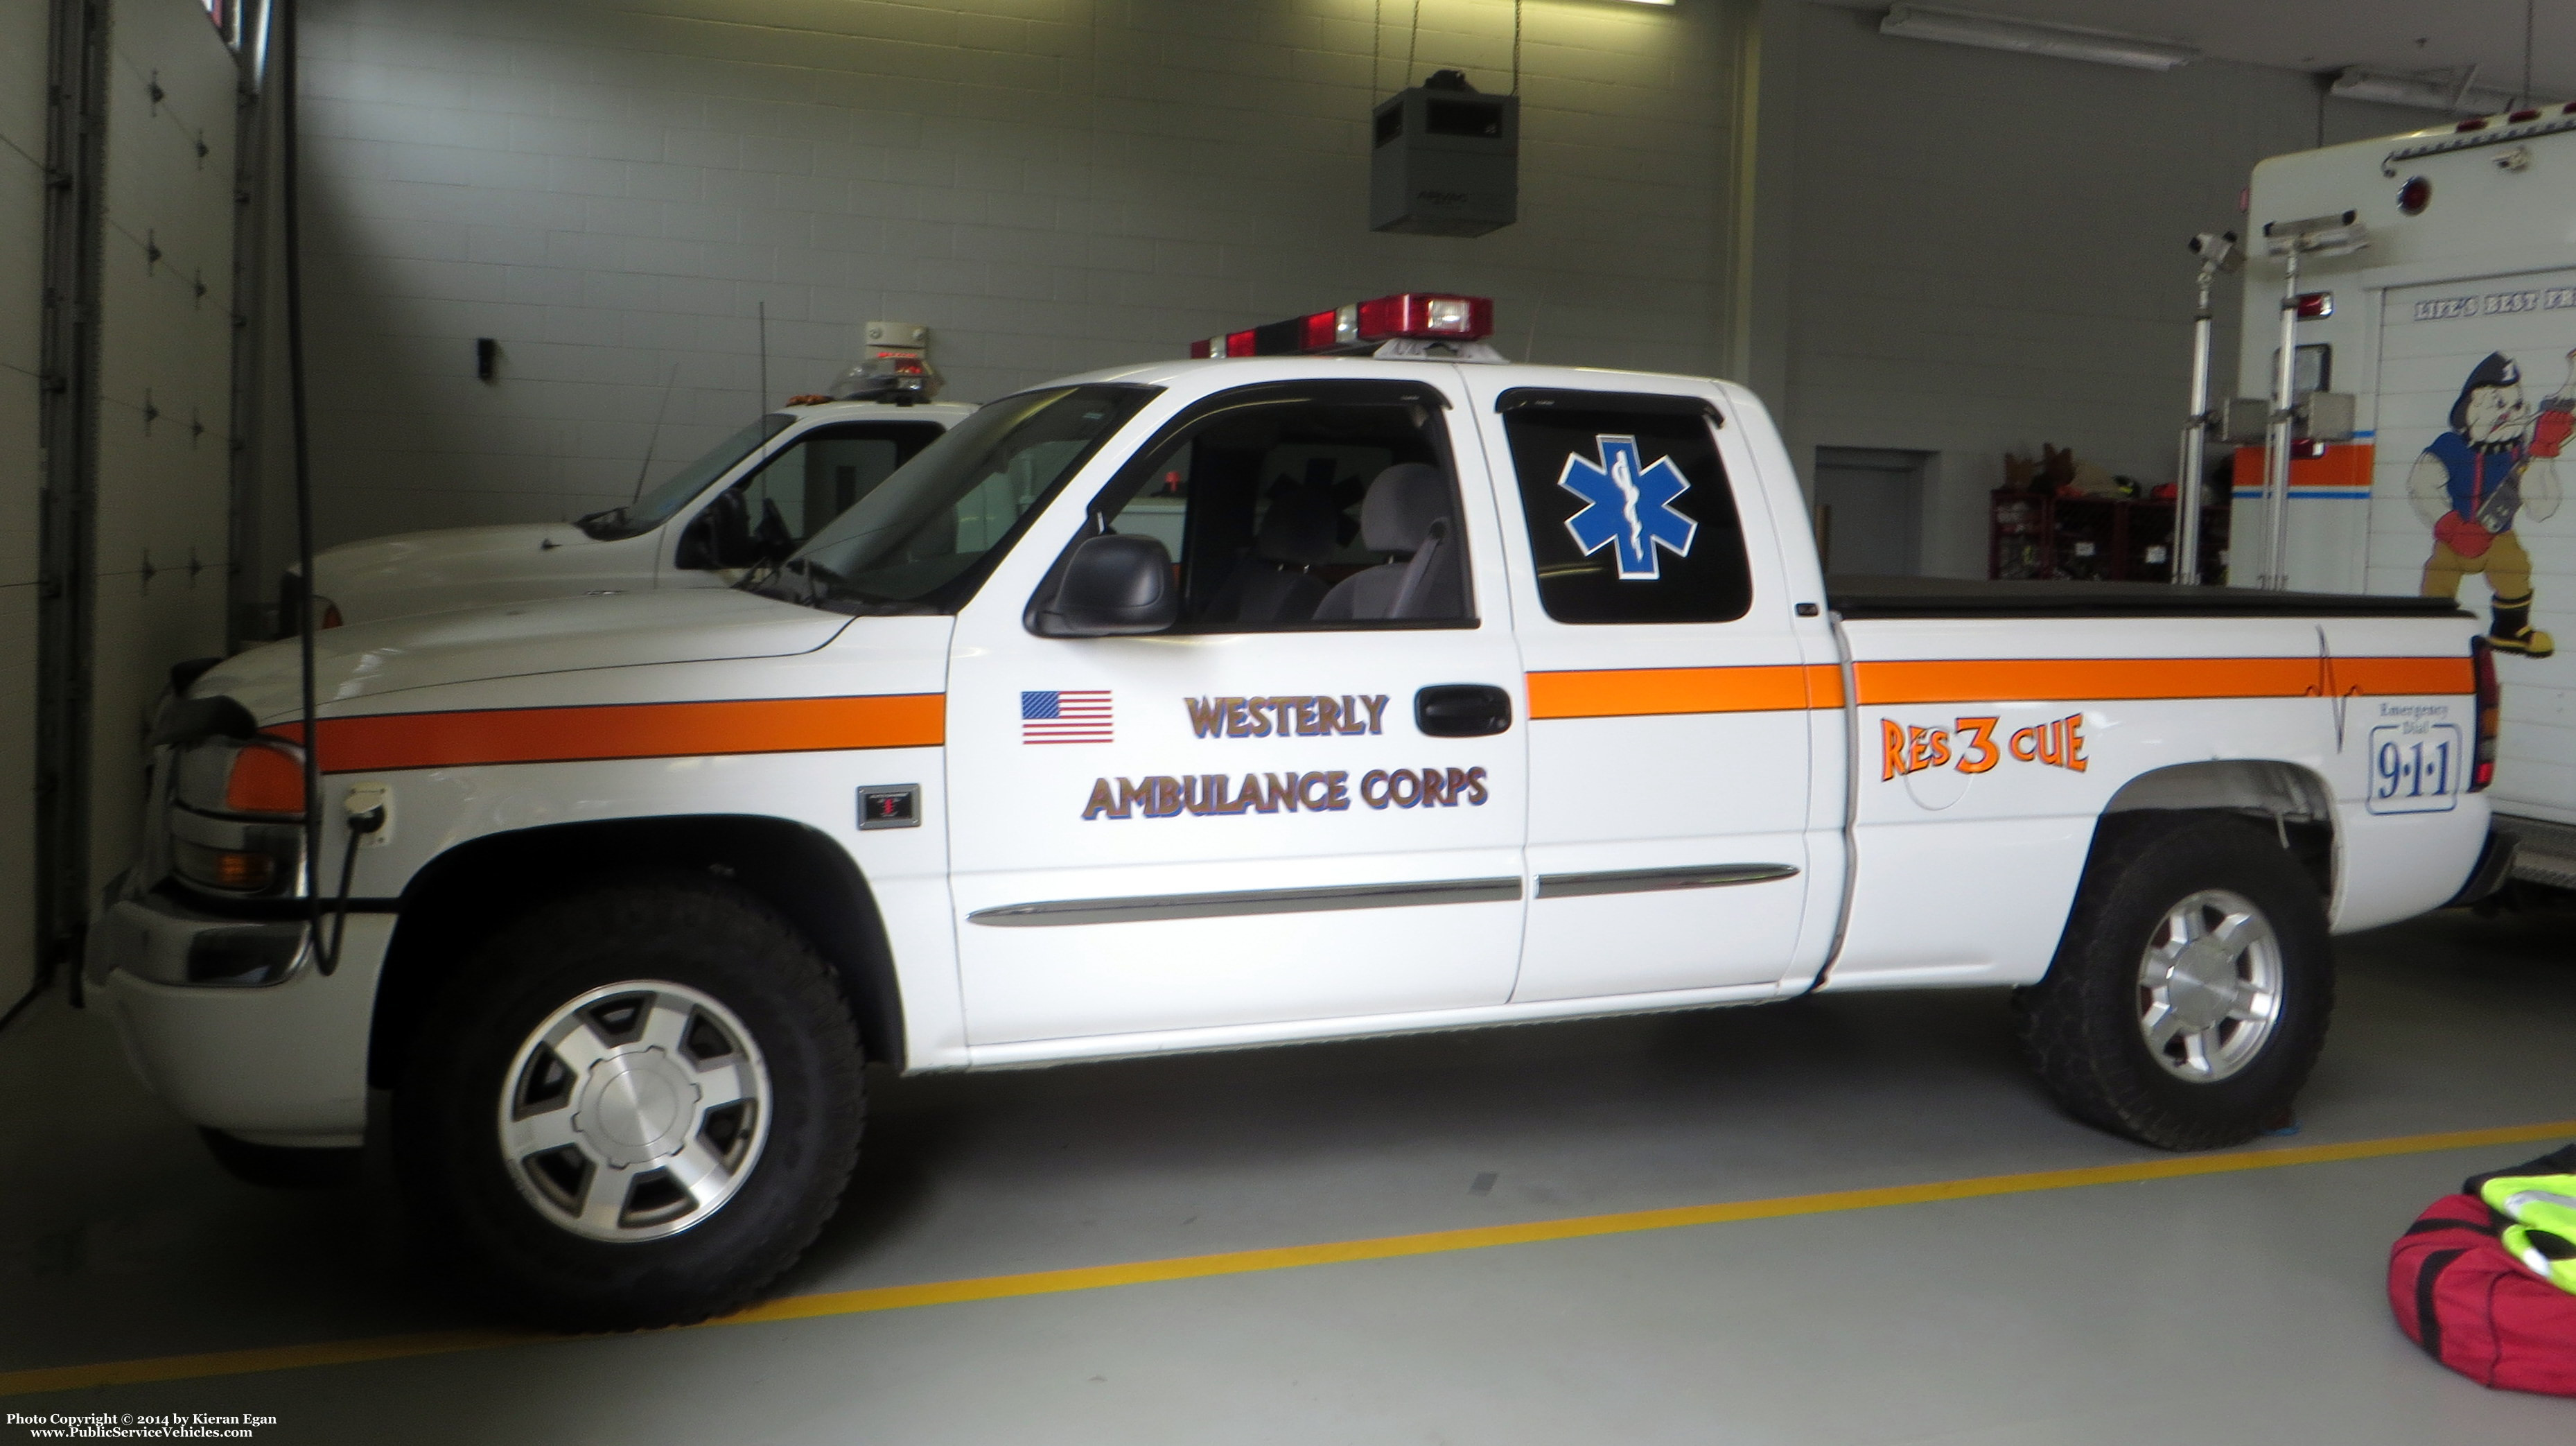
[[1110, 586], [719, 536]]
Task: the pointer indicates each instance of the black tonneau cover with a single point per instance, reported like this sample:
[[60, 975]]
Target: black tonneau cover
[[1942, 597]]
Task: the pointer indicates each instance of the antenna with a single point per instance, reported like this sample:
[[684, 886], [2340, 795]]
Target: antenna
[[655, 439], [763, 408]]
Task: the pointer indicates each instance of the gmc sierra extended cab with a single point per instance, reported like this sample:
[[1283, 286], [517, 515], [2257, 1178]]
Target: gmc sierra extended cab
[[1234, 702]]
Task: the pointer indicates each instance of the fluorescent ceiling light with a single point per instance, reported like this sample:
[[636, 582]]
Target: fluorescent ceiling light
[[2032, 37], [2448, 94]]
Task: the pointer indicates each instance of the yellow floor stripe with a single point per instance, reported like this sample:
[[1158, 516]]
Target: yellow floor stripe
[[1242, 1262]]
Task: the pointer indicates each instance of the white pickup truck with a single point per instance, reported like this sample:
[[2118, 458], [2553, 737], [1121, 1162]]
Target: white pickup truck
[[757, 494], [1220, 703]]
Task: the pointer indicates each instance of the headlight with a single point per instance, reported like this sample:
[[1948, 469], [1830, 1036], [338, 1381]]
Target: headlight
[[237, 817]]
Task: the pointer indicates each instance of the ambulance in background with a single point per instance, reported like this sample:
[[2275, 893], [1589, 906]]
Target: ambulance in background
[[753, 498], [2453, 331]]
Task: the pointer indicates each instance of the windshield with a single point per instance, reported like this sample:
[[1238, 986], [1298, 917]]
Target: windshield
[[655, 507], [916, 543]]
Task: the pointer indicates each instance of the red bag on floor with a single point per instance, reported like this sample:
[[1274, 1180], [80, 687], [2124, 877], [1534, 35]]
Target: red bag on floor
[[2474, 1308]]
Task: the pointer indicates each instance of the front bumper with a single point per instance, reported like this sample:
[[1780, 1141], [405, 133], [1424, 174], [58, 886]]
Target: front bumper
[[280, 1064]]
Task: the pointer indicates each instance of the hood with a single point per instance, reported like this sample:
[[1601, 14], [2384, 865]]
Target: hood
[[516, 640], [471, 548]]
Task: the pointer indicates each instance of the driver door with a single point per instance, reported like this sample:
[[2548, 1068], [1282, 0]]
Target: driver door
[[1242, 824]]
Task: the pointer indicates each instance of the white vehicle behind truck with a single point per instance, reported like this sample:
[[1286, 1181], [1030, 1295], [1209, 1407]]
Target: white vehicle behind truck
[[2453, 330], [1233, 702], [756, 495]]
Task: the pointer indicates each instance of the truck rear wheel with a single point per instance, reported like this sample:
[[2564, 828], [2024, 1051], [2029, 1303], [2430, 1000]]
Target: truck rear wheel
[[2190, 994], [632, 1107]]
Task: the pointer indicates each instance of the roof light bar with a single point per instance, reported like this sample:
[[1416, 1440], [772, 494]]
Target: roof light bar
[[1362, 328]]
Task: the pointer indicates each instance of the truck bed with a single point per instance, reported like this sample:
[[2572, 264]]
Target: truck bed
[[1942, 597]]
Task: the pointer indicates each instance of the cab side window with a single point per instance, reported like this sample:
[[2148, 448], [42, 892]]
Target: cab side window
[[821, 475], [1321, 505], [1629, 513]]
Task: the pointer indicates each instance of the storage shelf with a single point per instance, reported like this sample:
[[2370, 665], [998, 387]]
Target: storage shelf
[[2105, 539]]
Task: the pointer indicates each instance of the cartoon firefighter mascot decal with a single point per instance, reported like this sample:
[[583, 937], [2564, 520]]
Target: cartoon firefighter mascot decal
[[2496, 463]]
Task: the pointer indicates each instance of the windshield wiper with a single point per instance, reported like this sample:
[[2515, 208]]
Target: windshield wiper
[[814, 585]]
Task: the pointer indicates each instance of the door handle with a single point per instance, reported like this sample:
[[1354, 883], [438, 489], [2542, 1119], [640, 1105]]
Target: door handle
[[1462, 710]]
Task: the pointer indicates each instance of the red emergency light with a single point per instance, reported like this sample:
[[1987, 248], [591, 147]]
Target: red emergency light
[[1360, 327]]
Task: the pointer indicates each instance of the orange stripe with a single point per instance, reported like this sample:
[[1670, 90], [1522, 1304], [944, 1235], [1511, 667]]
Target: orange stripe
[[381, 741], [1638, 692], [2401, 677], [2085, 679]]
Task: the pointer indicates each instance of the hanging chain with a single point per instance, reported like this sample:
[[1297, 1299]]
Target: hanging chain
[[1516, 47], [1413, 44], [1377, 33]]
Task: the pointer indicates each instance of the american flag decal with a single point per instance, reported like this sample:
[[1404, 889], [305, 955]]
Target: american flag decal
[[1065, 717]]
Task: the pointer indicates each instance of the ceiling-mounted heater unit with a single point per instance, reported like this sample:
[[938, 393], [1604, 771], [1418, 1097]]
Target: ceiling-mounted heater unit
[[1446, 160]]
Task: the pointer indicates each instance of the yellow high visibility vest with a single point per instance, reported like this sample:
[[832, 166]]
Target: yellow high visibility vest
[[2543, 1234]]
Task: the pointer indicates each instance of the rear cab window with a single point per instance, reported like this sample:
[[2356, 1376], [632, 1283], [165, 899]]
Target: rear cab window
[[1630, 515]]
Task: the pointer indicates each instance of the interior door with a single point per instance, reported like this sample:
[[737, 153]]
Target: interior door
[[1244, 821], [1668, 695], [1869, 511]]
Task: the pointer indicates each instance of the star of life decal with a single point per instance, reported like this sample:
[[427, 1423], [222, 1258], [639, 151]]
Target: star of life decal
[[1630, 507]]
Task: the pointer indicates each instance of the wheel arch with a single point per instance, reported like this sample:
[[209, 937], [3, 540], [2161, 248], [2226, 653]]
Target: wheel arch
[[2294, 799], [465, 894]]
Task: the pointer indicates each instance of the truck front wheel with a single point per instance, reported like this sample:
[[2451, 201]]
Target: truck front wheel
[[632, 1107], [2190, 995]]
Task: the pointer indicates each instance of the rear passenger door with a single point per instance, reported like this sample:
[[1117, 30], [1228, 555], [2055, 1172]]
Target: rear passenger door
[[1668, 697]]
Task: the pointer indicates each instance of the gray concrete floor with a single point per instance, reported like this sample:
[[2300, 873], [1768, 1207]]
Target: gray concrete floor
[[2226, 1308]]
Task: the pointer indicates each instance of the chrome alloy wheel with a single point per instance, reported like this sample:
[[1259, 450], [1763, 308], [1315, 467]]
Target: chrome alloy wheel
[[2209, 986], [634, 1111]]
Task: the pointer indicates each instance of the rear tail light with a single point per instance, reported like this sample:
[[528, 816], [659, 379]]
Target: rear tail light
[[2315, 304], [331, 615], [2490, 702]]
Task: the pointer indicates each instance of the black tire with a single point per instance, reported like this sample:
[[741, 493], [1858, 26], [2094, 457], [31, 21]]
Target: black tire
[[2082, 1025], [284, 1167], [464, 1199]]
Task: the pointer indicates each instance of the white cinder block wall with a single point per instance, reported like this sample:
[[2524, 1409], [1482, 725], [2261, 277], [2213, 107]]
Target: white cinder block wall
[[1959, 251], [164, 388], [22, 216], [1985, 251], [1050, 185]]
